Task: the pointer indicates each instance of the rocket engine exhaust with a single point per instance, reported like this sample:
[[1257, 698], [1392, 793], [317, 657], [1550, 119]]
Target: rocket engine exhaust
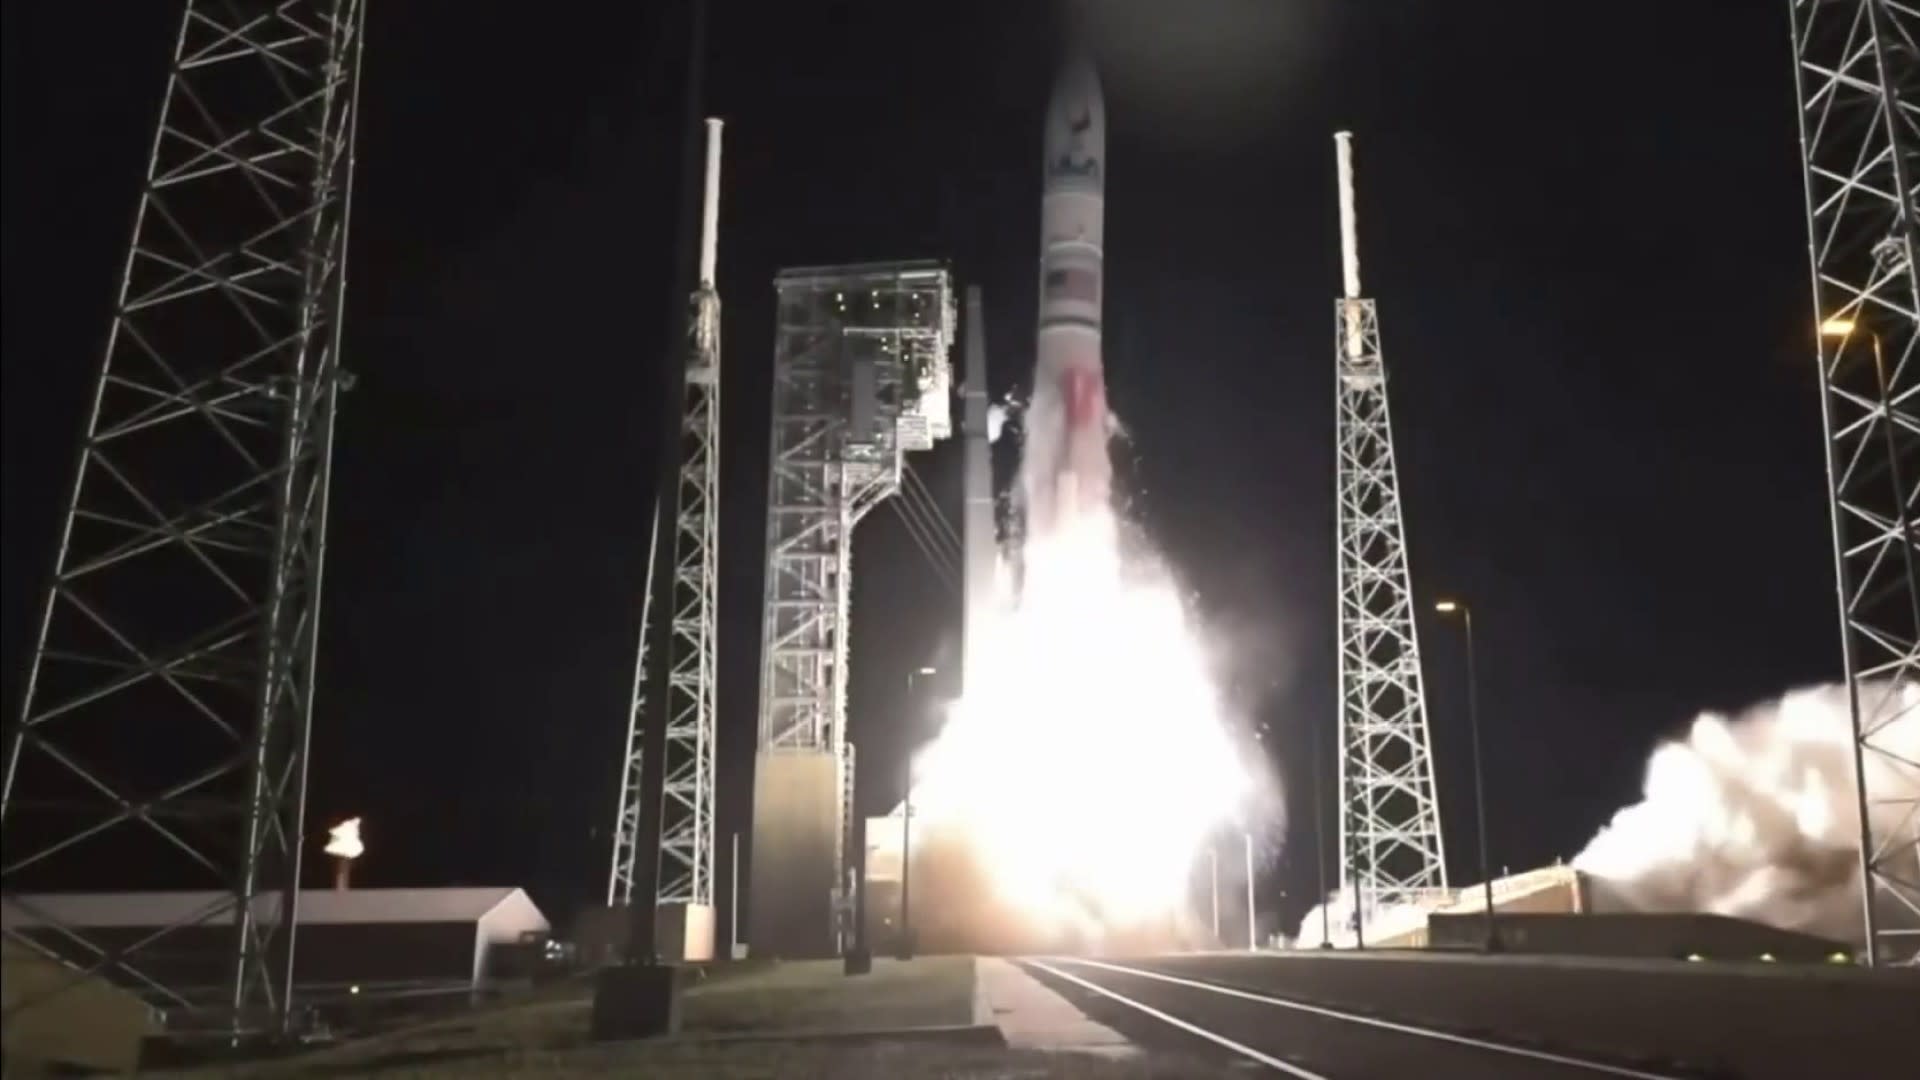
[[1089, 762]]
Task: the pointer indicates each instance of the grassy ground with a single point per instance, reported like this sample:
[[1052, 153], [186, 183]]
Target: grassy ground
[[815, 996], [812, 1001], [800, 1060]]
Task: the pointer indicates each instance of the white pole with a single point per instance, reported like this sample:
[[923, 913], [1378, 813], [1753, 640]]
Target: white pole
[[1349, 245], [1251, 946], [733, 906], [710, 208], [1349, 230], [1213, 859]]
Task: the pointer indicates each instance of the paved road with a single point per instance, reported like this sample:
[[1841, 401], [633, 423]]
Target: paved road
[[1255, 1031]]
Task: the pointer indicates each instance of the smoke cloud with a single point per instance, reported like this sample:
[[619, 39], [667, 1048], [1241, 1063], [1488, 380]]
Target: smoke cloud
[[1755, 816]]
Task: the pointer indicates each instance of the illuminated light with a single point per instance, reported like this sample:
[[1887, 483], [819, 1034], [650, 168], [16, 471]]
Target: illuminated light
[[343, 840], [1838, 326], [353, 989], [1766, 958], [1695, 957], [1446, 607], [1839, 958]]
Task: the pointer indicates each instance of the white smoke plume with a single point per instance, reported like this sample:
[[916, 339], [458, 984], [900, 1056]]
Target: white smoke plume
[[1755, 816]]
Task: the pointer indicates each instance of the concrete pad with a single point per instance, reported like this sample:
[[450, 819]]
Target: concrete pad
[[1032, 1017]]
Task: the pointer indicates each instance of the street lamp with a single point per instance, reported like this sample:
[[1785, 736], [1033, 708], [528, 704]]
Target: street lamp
[[1252, 941], [1320, 850], [1458, 607], [905, 951], [1843, 327]]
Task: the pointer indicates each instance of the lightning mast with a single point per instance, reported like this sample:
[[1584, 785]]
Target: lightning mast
[[163, 738], [687, 792], [1390, 846], [1856, 68]]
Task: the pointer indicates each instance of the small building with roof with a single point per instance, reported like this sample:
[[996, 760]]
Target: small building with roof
[[349, 942]]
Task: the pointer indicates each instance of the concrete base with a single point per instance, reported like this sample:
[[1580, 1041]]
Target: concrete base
[[635, 1001], [796, 835], [857, 962], [684, 933]]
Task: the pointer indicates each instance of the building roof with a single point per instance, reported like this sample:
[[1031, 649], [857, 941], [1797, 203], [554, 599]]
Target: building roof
[[317, 907]]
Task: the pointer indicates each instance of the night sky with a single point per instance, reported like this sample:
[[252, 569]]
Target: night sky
[[1585, 235]]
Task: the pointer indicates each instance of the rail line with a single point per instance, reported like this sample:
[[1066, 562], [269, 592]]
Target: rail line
[[1252, 1053]]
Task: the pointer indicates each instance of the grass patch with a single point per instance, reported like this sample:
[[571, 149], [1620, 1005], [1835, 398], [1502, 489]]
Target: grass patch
[[815, 996], [548, 1036], [772, 1060]]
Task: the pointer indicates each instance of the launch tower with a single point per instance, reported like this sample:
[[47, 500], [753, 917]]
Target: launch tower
[[861, 376], [163, 739], [1390, 846], [1857, 68], [684, 891]]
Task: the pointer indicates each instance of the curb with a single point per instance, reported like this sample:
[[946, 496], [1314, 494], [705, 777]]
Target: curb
[[962, 1034], [982, 1008]]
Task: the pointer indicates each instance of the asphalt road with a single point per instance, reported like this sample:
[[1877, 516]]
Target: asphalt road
[[1215, 1014]]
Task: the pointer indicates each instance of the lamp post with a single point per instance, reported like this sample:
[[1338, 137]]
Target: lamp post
[[1213, 868], [905, 951], [1252, 942], [1459, 607], [1320, 850]]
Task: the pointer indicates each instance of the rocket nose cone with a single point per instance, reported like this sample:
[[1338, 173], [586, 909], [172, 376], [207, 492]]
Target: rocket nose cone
[[1076, 93], [1077, 78], [1076, 124]]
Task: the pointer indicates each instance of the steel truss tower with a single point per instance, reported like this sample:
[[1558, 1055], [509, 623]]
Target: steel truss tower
[[1857, 70], [687, 792], [163, 738], [1390, 846], [862, 375]]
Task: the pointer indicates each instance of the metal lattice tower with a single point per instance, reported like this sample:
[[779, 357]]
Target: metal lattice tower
[[687, 792], [1390, 845], [1857, 69], [163, 738], [862, 375]]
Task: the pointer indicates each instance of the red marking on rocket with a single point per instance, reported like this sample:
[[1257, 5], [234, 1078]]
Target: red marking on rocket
[[1065, 468]]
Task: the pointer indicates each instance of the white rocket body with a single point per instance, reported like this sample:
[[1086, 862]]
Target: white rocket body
[[1065, 469]]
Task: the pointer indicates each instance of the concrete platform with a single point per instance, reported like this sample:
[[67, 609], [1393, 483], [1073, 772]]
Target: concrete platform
[[1032, 1017]]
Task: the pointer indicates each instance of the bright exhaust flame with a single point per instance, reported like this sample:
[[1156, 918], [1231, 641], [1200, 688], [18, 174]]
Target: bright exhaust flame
[[1090, 761], [343, 840]]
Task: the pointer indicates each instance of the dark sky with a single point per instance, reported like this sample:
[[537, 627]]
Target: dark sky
[[1586, 240]]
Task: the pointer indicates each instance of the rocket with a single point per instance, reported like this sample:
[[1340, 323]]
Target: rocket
[[1065, 470]]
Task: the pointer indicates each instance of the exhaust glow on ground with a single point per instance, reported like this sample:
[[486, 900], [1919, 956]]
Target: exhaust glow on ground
[[1091, 760]]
